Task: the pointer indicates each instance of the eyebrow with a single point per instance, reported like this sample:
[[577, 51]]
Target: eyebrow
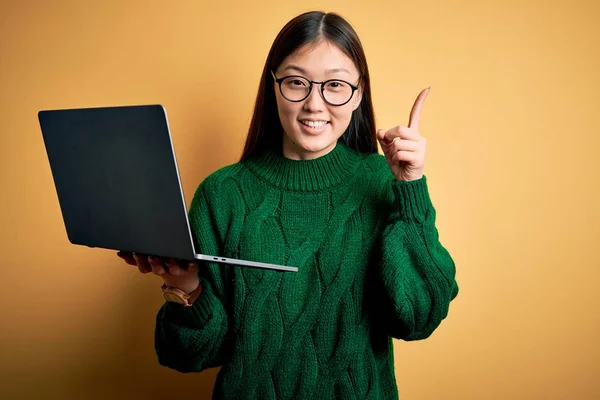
[[327, 71]]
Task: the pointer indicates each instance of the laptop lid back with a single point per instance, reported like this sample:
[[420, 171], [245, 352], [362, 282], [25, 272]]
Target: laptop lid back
[[116, 177]]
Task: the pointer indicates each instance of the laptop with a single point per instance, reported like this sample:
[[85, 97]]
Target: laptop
[[118, 184]]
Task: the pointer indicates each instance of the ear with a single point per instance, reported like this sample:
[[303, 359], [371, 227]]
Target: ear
[[357, 98]]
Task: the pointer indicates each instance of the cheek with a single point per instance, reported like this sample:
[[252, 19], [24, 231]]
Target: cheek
[[287, 110], [341, 116]]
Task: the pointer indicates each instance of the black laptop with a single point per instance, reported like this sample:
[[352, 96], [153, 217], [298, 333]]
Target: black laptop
[[117, 181]]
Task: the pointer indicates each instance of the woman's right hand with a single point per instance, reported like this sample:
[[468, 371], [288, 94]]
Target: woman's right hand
[[182, 277]]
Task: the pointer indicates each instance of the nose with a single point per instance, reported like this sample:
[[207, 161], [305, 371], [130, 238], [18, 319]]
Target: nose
[[314, 102]]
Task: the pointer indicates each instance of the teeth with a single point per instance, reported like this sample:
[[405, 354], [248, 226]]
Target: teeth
[[314, 124]]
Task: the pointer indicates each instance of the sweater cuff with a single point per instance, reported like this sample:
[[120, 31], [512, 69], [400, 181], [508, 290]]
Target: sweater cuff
[[195, 316], [412, 200]]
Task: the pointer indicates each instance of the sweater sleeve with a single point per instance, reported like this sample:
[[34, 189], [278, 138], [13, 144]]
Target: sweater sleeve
[[191, 339], [417, 272]]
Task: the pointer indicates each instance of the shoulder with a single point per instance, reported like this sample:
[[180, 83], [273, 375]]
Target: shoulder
[[376, 163], [219, 186], [220, 178], [377, 169], [378, 176]]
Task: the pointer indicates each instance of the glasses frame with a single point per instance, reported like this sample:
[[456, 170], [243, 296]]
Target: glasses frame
[[311, 84]]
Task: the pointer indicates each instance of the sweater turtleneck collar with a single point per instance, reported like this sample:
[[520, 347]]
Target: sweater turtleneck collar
[[306, 175]]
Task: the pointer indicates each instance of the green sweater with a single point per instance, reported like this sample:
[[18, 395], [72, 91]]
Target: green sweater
[[371, 268]]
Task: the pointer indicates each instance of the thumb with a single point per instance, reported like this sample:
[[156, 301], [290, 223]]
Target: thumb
[[192, 267], [385, 142]]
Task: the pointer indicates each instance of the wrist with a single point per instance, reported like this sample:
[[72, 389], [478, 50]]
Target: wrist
[[412, 202]]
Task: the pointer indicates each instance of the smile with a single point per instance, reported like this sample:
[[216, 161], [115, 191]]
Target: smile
[[314, 124]]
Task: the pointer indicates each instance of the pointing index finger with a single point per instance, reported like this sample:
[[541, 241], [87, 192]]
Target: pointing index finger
[[415, 113]]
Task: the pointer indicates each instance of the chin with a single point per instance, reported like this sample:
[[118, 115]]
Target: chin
[[314, 145]]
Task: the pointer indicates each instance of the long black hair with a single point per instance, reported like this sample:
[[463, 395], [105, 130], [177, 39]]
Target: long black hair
[[265, 132]]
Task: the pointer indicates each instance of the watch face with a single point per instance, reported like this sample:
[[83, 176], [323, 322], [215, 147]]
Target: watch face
[[173, 298]]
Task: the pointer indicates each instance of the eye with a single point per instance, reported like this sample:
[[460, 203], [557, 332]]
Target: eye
[[295, 83], [337, 86]]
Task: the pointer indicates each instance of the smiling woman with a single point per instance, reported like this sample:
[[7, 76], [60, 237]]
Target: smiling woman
[[310, 191]]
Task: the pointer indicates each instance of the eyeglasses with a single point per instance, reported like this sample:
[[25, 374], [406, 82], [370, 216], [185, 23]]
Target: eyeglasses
[[296, 88]]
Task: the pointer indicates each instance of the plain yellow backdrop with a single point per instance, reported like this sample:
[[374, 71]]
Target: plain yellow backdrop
[[512, 123]]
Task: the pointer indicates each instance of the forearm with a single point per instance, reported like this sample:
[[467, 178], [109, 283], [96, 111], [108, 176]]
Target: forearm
[[194, 338], [417, 272], [190, 339]]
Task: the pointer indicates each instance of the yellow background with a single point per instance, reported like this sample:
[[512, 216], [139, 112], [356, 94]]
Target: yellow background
[[512, 123]]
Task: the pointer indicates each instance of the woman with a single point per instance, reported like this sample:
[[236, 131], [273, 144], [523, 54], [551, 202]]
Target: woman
[[310, 191]]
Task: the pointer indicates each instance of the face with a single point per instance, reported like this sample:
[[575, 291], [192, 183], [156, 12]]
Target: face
[[312, 126]]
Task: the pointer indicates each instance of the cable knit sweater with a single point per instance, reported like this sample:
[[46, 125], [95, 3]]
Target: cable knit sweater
[[371, 268]]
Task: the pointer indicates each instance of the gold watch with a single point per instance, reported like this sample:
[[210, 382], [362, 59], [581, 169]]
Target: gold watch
[[176, 295]]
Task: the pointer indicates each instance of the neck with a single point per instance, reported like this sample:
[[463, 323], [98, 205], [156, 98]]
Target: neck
[[294, 152]]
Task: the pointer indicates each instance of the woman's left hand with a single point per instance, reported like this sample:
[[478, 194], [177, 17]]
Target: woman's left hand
[[404, 147]]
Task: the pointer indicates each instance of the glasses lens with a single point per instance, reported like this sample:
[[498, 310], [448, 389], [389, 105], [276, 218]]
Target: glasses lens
[[295, 88], [337, 92]]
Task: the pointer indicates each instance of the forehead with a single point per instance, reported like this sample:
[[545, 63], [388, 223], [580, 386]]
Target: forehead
[[321, 58]]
